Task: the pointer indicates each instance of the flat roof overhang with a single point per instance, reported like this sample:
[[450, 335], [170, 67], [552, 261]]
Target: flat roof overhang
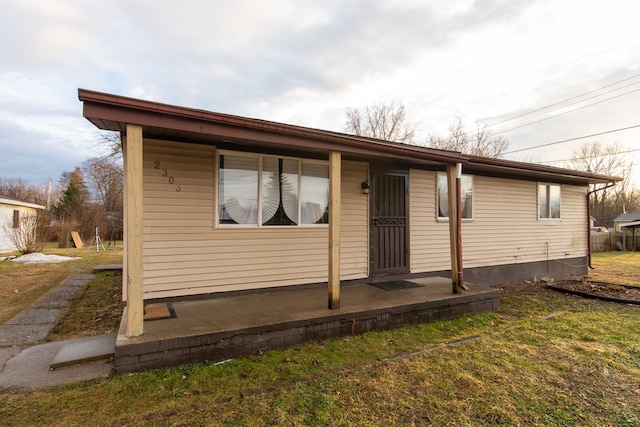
[[532, 171], [175, 123], [163, 121]]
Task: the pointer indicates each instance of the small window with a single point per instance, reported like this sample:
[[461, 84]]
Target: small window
[[16, 219], [277, 190], [443, 197], [549, 201]]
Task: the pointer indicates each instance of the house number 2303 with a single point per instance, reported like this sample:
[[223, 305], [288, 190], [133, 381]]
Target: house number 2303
[[165, 173]]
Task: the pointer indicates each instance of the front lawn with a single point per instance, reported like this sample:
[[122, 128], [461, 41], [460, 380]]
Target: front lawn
[[544, 359]]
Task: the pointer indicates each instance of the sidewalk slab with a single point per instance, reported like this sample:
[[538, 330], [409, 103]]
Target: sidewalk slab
[[35, 316], [17, 335], [86, 350], [58, 297], [78, 280]]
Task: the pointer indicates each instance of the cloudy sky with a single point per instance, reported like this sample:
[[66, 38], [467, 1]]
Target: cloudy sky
[[303, 62]]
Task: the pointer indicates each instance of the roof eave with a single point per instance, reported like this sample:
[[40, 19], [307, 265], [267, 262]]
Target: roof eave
[[537, 171], [113, 112]]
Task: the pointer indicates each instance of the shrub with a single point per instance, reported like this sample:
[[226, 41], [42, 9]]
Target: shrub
[[32, 233]]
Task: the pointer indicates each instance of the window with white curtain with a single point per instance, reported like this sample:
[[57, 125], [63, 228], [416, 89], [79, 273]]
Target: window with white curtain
[[466, 186], [280, 191]]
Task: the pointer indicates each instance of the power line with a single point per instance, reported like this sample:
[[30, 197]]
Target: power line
[[565, 106], [567, 112], [570, 99], [572, 139], [590, 157]]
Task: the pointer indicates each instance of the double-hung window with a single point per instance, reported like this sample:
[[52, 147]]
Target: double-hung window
[[549, 203], [263, 190], [443, 197]]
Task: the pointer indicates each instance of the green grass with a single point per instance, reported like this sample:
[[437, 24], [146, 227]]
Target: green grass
[[545, 358]]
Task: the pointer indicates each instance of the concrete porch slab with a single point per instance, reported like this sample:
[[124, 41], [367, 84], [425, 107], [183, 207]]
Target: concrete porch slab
[[220, 328]]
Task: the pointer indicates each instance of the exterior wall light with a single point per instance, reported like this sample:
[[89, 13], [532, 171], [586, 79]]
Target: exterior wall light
[[365, 187]]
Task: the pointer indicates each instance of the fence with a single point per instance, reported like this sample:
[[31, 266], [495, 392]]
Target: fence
[[606, 242]]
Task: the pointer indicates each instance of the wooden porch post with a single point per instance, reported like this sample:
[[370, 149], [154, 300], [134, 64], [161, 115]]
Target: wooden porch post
[[454, 188], [132, 150], [335, 170]]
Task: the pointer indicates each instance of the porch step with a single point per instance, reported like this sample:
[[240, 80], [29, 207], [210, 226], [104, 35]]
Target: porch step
[[107, 267], [85, 350]]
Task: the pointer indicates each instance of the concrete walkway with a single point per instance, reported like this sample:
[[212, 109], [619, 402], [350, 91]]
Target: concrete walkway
[[26, 363]]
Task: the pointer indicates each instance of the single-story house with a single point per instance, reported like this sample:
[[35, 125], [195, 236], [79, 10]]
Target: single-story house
[[220, 203], [12, 212], [623, 219]]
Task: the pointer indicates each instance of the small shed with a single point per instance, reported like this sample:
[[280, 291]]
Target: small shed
[[630, 226], [622, 220], [11, 213]]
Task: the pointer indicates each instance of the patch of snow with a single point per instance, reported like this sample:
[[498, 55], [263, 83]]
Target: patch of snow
[[38, 257]]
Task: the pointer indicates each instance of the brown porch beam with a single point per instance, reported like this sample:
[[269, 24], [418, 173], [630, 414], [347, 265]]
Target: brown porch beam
[[132, 279], [454, 188], [335, 170]]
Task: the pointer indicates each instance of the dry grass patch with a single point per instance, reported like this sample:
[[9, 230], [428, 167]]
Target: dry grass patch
[[23, 284], [623, 266], [97, 310]]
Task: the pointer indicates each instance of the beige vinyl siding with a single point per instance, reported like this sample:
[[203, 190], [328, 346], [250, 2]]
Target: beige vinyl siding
[[185, 254], [505, 228], [429, 239]]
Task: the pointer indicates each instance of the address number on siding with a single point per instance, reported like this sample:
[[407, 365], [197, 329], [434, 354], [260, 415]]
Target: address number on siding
[[166, 174]]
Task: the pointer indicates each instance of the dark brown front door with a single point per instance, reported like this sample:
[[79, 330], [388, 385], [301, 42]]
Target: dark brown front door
[[389, 224]]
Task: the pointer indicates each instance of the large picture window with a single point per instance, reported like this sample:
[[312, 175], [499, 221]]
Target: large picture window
[[443, 197], [549, 201], [276, 190]]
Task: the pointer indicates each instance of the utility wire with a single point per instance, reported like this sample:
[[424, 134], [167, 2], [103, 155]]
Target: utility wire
[[566, 112], [565, 106], [572, 139], [591, 157], [569, 99]]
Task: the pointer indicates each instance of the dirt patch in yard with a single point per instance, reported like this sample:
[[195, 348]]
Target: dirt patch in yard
[[592, 287], [601, 290]]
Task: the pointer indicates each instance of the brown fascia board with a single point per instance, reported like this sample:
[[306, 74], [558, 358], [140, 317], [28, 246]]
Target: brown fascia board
[[536, 171], [113, 112]]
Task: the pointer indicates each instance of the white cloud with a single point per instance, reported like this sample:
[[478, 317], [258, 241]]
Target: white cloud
[[304, 62]]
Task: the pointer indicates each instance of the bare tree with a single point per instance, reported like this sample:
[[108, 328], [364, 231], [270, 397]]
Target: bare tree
[[380, 121], [112, 142], [19, 189], [106, 183], [479, 143], [610, 160]]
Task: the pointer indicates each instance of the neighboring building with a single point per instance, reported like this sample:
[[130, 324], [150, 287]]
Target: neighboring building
[[625, 218], [11, 211], [218, 203]]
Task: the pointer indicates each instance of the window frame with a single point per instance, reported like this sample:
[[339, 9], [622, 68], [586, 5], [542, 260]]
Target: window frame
[[260, 157], [446, 218], [548, 186]]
